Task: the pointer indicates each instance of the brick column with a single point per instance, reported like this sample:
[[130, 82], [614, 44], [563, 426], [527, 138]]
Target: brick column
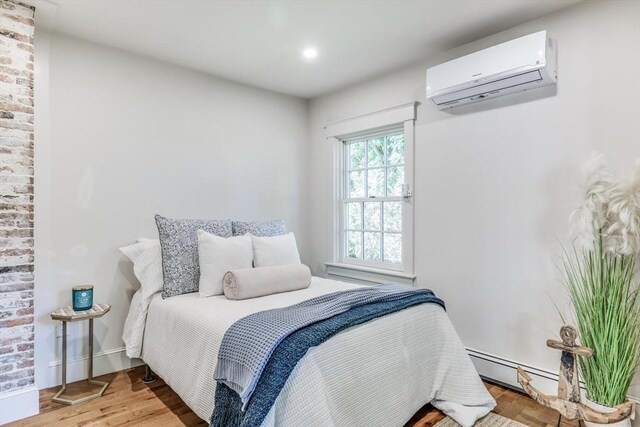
[[16, 195]]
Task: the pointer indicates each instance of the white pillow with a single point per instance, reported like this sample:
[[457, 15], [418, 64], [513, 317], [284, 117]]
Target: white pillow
[[276, 250], [147, 266], [217, 256]]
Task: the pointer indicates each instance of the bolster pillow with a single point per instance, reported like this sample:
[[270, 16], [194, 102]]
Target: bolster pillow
[[260, 281]]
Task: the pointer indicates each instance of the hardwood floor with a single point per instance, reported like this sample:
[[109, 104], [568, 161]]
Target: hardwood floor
[[130, 402]]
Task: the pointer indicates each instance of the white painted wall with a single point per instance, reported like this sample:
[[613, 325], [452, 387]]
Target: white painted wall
[[120, 138], [494, 188]]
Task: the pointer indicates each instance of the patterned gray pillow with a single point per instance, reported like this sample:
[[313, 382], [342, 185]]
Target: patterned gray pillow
[[260, 228], [179, 243]]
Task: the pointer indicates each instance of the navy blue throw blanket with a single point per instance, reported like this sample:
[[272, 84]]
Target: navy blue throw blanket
[[228, 405]]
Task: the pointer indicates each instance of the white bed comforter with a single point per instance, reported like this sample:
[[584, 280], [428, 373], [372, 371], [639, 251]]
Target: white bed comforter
[[376, 374]]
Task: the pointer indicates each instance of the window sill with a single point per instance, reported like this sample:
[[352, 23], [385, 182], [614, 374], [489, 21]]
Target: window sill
[[367, 275]]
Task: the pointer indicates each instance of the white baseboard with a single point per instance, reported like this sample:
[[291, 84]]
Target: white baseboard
[[104, 362], [503, 370], [19, 404]]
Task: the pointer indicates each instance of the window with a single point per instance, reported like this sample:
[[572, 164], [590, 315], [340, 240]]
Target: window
[[371, 231], [373, 199]]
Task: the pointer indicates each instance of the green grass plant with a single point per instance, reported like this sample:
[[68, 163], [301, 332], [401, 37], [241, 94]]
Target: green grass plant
[[606, 304]]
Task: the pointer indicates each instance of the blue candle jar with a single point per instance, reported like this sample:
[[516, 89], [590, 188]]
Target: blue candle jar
[[82, 297]]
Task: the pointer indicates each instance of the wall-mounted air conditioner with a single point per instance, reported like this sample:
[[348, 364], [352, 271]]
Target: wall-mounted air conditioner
[[525, 63]]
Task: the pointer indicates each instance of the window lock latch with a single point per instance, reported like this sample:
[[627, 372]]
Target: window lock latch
[[406, 191]]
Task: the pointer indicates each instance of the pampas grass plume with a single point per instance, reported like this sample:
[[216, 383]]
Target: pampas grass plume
[[610, 210]]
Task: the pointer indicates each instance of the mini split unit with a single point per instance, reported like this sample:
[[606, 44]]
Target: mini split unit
[[525, 63]]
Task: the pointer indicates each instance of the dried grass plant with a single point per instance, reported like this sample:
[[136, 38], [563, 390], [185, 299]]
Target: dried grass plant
[[601, 277]]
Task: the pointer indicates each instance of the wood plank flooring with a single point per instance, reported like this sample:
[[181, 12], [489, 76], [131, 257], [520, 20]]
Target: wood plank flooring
[[130, 402]]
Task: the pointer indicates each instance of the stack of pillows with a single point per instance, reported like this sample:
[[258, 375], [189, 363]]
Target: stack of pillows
[[238, 259], [215, 257]]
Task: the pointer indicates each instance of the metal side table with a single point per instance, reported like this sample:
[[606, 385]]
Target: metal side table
[[67, 314]]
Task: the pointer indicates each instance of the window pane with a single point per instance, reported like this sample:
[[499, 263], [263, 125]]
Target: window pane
[[354, 244], [392, 216], [395, 179], [373, 226], [372, 216], [357, 155], [393, 248], [376, 152], [376, 182], [372, 246], [354, 216], [356, 184], [395, 149]]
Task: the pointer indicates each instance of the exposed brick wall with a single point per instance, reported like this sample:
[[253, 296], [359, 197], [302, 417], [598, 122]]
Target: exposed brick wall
[[16, 195]]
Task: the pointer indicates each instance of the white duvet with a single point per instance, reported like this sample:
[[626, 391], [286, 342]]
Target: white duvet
[[376, 374]]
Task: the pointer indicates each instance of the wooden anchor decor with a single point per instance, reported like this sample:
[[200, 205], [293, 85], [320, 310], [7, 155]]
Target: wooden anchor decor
[[568, 403]]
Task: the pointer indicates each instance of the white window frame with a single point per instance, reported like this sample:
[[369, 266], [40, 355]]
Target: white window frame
[[344, 198], [369, 272]]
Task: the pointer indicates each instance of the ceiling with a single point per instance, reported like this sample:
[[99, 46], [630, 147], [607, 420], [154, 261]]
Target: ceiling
[[260, 43]]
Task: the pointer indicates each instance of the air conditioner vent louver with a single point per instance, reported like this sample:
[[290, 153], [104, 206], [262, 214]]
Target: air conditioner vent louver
[[485, 90]]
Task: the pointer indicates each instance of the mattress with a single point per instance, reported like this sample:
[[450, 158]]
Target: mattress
[[376, 374]]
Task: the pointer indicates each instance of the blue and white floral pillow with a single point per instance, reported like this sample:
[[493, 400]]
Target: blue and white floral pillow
[[259, 228], [179, 244]]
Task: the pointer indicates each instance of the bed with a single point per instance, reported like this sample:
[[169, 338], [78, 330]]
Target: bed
[[375, 374]]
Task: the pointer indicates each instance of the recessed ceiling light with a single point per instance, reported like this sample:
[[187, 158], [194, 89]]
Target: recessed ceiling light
[[310, 53]]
